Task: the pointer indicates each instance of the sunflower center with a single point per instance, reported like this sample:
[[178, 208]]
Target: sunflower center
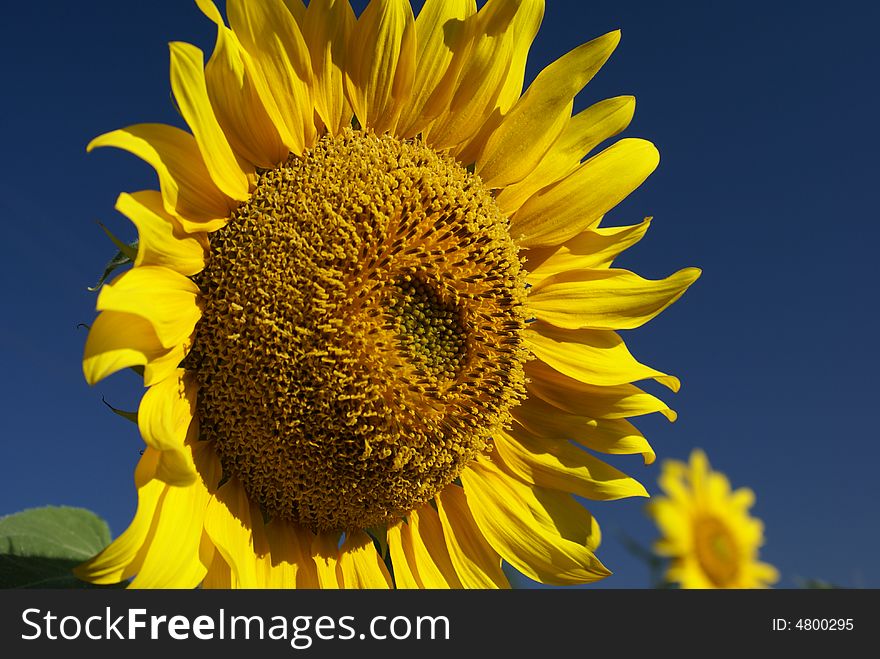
[[717, 552], [360, 340]]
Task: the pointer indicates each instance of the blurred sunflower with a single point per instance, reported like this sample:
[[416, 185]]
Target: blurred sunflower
[[707, 530], [373, 304]]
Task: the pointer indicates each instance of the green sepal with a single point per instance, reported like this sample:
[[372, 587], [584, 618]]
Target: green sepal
[[127, 254], [129, 250], [379, 534], [129, 416]]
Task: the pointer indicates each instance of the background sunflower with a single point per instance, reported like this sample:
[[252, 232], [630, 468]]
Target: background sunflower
[[754, 168]]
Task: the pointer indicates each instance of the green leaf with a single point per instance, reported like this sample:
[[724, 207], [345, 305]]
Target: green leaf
[[816, 584], [40, 547]]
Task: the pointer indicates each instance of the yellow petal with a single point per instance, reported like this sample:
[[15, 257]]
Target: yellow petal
[[525, 29], [229, 76], [476, 563], [164, 417], [612, 436], [597, 357], [583, 132], [502, 34], [381, 63], [167, 299], [327, 27], [282, 67], [297, 9], [577, 202], [522, 32], [325, 552], [160, 240], [229, 525], [361, 565], [406, 575], [559, 465], [588, 400], [477, 74], [187, 189], [542, 533], [191, 93], [218, 576], [538, 119], [606, 298], [114, 563], [296, 542], [440, 33], [430, 551], [594, 248], [287, 562], [419, 553], [173, 559], [121, 340]]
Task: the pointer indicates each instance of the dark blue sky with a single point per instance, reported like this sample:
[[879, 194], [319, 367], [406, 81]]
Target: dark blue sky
[[765, 115]]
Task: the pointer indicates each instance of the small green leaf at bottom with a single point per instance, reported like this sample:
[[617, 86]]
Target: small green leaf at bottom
[[40, 547]]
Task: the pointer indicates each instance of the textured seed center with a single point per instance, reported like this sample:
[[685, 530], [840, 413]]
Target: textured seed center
[[361, 333]]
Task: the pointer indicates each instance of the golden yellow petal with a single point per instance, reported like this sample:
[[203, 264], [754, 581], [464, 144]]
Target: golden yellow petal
[[525, 28], [469, 92], [191, 93], [164, 417], [282, 67], [381, 63], [598, 357], [538, 119], [218, 576], [475, 562], [286, 561], [612, 436], [167, 299], [187, 188], [563, 210], [594, 248], [522, 32], [584, 131], [297, 9], [419, 553], [440, 33], [325, 552], [327, 28], [361, 565], [542, 533], [595, 402], [430, 551], [114, 563], [229, 75], [559, 465], [122, 340], [406, 576], [161, 241], [173, 558], [606, 298], [229, 525]]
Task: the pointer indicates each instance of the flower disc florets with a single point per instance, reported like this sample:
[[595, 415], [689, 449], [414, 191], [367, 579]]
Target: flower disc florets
[[361, 332]]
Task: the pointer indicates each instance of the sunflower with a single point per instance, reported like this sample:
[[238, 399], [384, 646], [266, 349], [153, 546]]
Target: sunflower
[[707, 530], [373, 305]]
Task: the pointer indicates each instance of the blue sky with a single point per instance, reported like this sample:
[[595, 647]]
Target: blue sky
[[766, 120]]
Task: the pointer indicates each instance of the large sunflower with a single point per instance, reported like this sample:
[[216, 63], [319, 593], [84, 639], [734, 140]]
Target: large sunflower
[[374, 306], [707, 530]]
